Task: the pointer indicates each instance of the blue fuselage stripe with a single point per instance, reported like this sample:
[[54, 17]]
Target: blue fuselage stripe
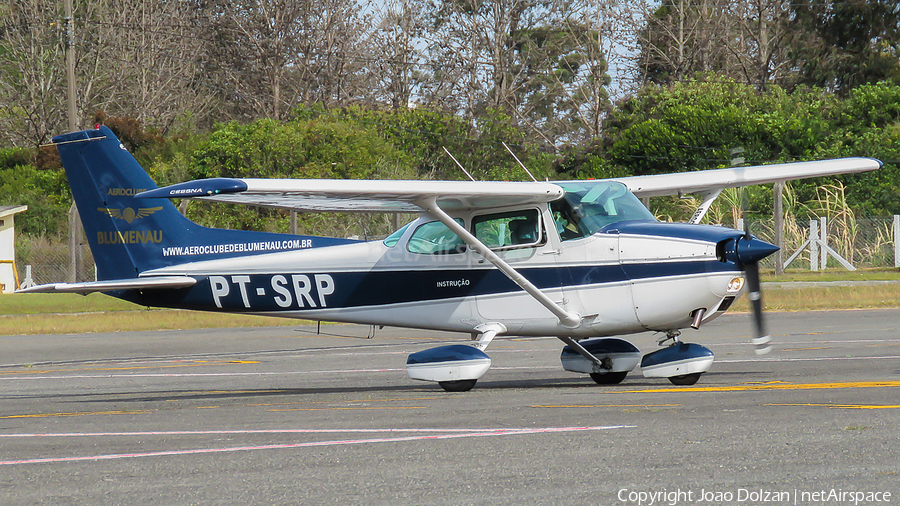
[[319, 290]]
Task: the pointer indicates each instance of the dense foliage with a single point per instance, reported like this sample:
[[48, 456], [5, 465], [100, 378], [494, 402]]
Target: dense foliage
[[44, 191], [691, 125], [352, 89]]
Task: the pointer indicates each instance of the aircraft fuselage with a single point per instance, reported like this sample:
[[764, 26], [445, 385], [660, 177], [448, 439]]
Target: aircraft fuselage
[[628, 277]]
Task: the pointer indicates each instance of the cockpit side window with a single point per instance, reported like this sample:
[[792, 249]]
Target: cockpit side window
[[589, 206], [568, 224]]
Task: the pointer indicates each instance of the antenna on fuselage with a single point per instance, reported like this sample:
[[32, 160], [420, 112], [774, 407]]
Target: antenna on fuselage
[[458, 164], [520, 162]]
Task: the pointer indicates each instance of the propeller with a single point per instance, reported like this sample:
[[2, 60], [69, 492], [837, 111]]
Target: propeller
[[749, 251]]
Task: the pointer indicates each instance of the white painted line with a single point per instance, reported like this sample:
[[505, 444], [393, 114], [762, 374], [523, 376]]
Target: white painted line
[[191, 374], [32, 377], [289, 431], [201, 451], [781, 340], [810, 359]]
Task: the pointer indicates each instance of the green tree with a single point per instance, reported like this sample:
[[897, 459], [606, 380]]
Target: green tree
[[692, 125], [689, 126], [322, 147], [44, 192], [561, 81], [869, 125], [423, 135], [538, 62], [840, 45]]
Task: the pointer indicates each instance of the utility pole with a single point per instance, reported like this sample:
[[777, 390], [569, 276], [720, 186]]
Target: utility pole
[[74, 219], [70, 66]]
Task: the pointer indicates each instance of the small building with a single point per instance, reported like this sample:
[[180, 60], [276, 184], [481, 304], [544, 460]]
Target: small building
[[8, 247]]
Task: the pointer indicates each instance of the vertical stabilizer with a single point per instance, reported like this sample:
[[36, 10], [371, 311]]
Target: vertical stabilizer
[[128, 235]]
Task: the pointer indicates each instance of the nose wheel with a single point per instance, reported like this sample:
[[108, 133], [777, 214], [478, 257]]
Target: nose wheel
[[610, 378], [458, 385], [685, 379]]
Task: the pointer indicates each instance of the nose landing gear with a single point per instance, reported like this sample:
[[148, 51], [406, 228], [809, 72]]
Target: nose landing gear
[[682, 363]]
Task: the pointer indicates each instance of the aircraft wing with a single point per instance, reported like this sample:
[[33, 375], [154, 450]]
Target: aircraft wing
[[355, 195], [706, 181], [113, 285]]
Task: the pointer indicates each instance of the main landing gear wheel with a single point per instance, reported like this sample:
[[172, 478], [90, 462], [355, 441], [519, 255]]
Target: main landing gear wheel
[[610, 378], [458, 385], [685, 379]]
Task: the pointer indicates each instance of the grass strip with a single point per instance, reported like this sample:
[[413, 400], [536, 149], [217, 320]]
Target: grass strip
[[816, 298], [43, 303], [64, 313], [142, 320]]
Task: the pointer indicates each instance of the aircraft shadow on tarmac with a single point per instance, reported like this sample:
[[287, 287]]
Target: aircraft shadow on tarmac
[[244, 393]]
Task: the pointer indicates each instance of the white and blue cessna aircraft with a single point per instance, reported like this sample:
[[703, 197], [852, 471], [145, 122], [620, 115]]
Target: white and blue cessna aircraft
[[578, 260]]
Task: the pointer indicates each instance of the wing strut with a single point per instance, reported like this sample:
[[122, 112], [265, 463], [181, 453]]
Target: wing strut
[[569, 319], [708, 198]]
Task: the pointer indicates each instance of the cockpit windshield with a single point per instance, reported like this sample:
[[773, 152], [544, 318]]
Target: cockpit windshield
[[588, 206]]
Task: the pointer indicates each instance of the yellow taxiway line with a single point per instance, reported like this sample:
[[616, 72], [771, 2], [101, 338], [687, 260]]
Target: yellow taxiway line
[[774, 386]]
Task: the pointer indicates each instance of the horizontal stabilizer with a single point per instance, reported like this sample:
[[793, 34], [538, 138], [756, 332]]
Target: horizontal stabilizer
[[148, 283]]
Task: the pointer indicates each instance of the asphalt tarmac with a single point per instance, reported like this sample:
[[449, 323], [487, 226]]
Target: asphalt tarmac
[[285, 416]]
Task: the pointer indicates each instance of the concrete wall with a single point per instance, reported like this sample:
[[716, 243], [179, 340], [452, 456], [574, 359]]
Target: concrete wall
[[8, 247]]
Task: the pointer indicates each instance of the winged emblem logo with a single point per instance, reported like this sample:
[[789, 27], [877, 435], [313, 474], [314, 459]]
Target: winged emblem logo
[[128, 214]]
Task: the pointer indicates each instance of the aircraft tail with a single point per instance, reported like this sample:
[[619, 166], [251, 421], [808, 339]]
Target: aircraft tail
[[128, 235]]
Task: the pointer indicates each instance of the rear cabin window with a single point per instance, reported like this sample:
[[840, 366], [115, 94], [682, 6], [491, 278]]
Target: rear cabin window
[[434, 238], [392, 240], [508, 230]]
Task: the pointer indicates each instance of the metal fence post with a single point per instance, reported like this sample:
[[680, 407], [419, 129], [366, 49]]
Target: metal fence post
[[823, 236], [897, 240], [778, 217], [813, 245], [72, 274]]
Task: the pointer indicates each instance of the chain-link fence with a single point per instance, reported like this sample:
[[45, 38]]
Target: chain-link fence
[[862, 242], [865, 242], [49, 260]]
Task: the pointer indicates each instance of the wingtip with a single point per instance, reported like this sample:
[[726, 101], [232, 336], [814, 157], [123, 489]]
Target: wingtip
[[197, 188]]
